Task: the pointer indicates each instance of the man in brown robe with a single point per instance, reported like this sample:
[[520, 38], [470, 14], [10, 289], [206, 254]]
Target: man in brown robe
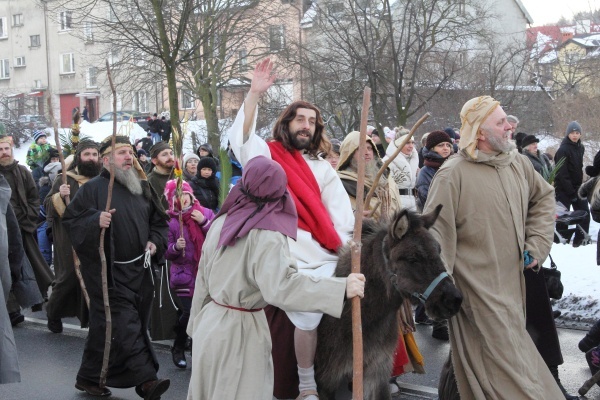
[[497, 219]]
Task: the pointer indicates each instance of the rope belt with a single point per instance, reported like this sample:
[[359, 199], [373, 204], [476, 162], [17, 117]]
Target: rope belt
[[147, 262], [239, 309]]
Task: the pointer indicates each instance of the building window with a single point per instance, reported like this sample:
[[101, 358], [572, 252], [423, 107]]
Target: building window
[[19, 61], [276, 37], [17, 19], [113, 56], [67, 63], [37, 83], [462, 7], [140, 101], [243, 60], [91, 77], [65, 20], [3, 28], [187, 99], [34, 41], [4, 69], [88, 34]]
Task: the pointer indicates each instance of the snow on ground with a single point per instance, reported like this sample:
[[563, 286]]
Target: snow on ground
[[580, 274]]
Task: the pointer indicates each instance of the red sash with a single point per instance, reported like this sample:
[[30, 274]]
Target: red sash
[[302, 185]]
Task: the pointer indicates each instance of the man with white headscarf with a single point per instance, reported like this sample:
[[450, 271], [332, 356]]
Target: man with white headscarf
[[497, 219]]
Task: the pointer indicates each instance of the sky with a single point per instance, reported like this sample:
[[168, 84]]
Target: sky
[[550, 11]]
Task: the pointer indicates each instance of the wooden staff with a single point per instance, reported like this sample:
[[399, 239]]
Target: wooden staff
[[108, 317], [67, 199], [389, 160], [355, 248], [589, 383]]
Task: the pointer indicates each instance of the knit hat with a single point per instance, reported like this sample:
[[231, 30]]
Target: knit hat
[[142, 152], [436, 137], [594, 170], [573, 126], [37, 135], [157, 148], [450, 133], [171, 191], [189, 156], [529, 139], [207, 162]]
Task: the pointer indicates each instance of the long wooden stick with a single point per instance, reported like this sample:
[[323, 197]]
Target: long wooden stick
[[108, 317], [589, 383], [389, 160], [356, 247], [61, 157]]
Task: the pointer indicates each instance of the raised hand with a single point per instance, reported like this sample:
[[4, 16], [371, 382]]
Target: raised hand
[[263, 77]]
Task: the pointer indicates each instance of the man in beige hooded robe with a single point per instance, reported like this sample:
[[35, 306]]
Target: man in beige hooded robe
[[496, 207]]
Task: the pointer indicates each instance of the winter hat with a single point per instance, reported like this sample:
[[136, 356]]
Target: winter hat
[[594, 170], [390, 134], [52, 153], [142, 152], [37, 135], [207, 162], [519, 138], [529, 139], [171, 192], [158, 148], [450, 133], [189, 156], [335, 146], [436, 137], [572, 127]]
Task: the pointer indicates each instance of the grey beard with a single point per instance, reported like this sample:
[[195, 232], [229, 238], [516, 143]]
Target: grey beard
[[129, 179], [500, 145], [371, 168]]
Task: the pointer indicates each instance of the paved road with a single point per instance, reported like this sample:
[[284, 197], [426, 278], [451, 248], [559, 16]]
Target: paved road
[[49, 364]]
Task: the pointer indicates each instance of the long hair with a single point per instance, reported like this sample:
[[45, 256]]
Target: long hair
[[319, 142]]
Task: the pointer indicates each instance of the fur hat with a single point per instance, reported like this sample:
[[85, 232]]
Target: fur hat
[[572, 127], [451, 132], [435, 138], [171, 191], [207, 162], [594, 169], [518, 137], [529, 139], [189, 156], [38, 134]]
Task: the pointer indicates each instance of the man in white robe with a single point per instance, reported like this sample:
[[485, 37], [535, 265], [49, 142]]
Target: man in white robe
[[300, 128]]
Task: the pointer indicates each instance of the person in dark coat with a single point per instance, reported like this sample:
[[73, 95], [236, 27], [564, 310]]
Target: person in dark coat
[[143, 160], [206, 185], [25, 202], [84, 114], [539, 160], [66, 299], [206, 150], [147, 142], [590, 192], [166, 129], [136, 235], [570, 176], [163, 162]]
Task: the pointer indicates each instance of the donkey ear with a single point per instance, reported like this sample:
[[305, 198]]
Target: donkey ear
[[429, 219], [399, 225]]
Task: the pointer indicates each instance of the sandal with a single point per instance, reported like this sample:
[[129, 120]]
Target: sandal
[[305, 393]]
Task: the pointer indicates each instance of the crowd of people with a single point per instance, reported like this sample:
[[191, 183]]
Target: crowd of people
[[247, 279]]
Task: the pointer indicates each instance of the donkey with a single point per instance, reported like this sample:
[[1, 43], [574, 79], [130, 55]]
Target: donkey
[[400, 260]]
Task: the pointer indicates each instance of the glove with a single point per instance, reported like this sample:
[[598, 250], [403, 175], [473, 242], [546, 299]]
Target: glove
[[527, 259]]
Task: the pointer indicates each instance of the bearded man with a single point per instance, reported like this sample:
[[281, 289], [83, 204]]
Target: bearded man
[[66, 299], [325, 219], [25, 202], [163, 161], [386, 199], [136, 233], [497, 220]]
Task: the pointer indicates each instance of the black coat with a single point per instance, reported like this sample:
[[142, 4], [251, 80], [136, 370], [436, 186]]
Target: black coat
[[539, 161], [570, 176]]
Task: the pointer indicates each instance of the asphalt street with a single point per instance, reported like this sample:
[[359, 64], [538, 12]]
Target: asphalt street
[[49, 364]]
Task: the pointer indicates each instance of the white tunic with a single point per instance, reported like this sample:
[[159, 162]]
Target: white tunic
[[310, 256]]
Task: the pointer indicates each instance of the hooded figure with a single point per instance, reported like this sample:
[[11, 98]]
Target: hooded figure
[[386, 199]]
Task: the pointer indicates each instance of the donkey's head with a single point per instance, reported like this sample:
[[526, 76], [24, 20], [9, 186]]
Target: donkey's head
[[413, 256]]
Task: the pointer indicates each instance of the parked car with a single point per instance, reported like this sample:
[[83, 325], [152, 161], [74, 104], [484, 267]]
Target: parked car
[[33, 121], [125, 115]]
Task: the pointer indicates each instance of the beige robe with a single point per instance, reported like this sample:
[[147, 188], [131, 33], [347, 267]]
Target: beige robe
[[494, 208], [232, 349]]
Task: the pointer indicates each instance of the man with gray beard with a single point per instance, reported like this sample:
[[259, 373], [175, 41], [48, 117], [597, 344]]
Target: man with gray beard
[[66, 299], [136, 235], [386, 199]]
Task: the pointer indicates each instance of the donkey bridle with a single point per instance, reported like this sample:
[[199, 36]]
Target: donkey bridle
[[422, 297]]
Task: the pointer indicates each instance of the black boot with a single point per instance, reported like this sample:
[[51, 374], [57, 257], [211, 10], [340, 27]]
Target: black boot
[[178, 349], [554, 371], [440, 330], [591, 339]]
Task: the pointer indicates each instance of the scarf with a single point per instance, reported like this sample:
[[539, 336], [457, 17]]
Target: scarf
[[304, 189], [259, 200]]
